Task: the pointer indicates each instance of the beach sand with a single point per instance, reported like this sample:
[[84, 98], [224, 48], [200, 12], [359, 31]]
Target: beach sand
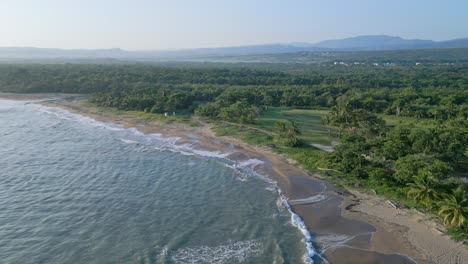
[[350, 227]]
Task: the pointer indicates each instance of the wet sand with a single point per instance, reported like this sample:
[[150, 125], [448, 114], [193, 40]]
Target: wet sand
[[348, 227]]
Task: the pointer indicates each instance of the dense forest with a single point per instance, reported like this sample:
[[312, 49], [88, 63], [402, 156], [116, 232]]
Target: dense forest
[[415, 163], [426, 92], [407, 161]]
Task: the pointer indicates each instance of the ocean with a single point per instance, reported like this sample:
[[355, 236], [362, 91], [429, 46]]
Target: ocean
[[76, 190]]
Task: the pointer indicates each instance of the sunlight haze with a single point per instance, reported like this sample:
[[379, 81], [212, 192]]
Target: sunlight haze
[[177, 24], [242, 131]]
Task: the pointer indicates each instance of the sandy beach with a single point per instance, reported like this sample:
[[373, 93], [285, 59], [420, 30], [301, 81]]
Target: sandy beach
[[350, 227]]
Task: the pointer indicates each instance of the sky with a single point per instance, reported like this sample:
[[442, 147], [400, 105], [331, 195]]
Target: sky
[[179, 24]]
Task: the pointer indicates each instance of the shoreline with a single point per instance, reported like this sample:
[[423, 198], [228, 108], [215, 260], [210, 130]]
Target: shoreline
[[351, 227]]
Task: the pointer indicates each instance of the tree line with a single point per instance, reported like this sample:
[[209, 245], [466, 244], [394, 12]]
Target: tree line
[[424, 92]]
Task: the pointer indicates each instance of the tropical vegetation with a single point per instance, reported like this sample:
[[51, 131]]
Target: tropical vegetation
[[402, 129]]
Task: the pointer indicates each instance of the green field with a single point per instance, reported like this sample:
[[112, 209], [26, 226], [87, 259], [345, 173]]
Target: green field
[[313, 131]]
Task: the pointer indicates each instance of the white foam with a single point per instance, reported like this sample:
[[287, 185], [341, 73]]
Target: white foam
[[128, 141], [204, 153], [334, 240], [308, 200], [160, 142], [135, 131], [64, 114], [222, 253], [250, 163], [247, 168], [10, 104], [299, 224], [236, 252], [162, 256]]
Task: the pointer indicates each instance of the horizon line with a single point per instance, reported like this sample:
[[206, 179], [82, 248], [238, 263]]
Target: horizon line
[[291, 43]]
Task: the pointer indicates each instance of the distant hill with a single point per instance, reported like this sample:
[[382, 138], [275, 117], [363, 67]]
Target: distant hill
[[241, 50], [382, 42], [381, 57], [375, 43], [456, 43], [45, 53], [360, 43]]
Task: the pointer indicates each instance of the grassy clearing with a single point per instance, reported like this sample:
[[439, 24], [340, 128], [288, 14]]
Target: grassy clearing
[[313, 131], [306, 156]]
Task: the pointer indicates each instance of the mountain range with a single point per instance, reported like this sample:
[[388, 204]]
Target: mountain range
[[359, 43]]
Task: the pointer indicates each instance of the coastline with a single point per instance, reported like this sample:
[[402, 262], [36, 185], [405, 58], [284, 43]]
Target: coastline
[[352, 227]]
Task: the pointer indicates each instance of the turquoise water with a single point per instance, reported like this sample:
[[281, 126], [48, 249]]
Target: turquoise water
[[74, 190]]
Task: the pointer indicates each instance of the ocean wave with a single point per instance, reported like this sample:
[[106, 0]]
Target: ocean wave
[[66, 115], [237, 252], [308, 200], [245, 168], [250, 163], [157, 140], [299, 224], [128, 141], [10, 104], [205, 153]]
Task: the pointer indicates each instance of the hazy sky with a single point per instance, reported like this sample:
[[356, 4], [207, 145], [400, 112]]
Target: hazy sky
[[173, 24]]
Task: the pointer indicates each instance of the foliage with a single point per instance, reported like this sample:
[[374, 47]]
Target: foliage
[[431, 92], [288, 133], [454, 208], [406, 159], [423, 190], [408, 167], [350, 156], [307, 157], [355, 120], [417, 155]]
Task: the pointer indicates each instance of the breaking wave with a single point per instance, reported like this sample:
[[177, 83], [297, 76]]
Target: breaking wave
[[299, 224], [235, 251]]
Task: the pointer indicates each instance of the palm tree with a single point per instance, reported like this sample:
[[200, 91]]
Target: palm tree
[[340, 116], [288, 133], [293, 128], [454, 208], [280, 126], [423, 190], [325, 121]]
